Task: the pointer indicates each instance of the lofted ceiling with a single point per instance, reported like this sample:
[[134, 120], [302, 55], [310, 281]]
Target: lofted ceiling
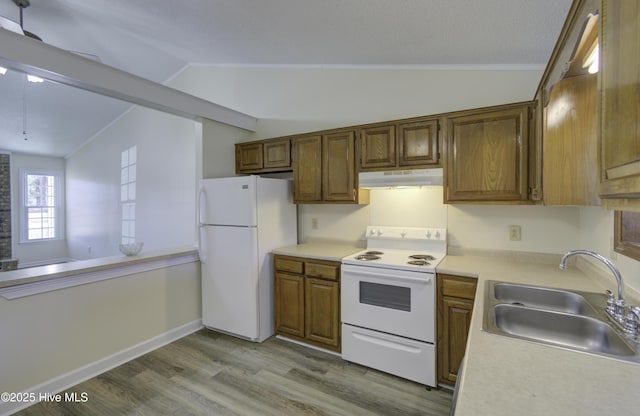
[[156, 38]]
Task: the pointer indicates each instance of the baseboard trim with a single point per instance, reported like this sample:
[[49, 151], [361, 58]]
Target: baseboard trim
[[91, 370]]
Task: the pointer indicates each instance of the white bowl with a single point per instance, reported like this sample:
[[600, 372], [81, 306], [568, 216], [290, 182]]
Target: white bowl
[[131, 249]]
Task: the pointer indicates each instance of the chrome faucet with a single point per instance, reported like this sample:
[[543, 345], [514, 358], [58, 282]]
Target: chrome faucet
[[612, 267]]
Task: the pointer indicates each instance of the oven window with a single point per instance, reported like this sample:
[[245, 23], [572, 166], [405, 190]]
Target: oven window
[[386, 296]]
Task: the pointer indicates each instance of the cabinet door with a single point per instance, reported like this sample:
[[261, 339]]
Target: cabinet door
[[289, 304], [277, 154], [418, 143], [339, 181], [378, 147], [307, 169], [456, 295], [248, 156], [570, 143], [322, 312], [454, 321], [620, 106], [487, 156]]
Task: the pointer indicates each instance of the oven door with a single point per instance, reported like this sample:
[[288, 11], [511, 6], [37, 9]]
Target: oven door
[[394, 301]]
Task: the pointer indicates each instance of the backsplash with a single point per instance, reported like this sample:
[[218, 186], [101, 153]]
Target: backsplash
[[409, 207]]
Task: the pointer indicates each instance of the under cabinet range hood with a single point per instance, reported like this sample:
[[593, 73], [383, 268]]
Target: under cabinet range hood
[[400, 178]]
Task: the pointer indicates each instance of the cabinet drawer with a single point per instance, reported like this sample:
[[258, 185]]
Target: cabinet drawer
[[459, 287], [323, 271], [289, 265]]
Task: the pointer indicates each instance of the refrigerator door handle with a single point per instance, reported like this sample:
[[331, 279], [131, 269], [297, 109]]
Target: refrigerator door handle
[[202, 244], [202, 205]]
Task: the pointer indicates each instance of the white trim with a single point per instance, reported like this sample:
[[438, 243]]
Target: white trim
[[60, 217], [409, 67], [24, 54], [35, 288], [74, 377]]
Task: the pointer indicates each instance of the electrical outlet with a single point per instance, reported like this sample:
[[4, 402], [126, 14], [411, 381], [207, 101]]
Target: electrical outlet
[[314, 223], [515, 233]]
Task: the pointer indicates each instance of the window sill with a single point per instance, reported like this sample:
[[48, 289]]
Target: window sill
[[32, 281]]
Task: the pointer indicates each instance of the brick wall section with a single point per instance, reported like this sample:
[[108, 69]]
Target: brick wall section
[[5, 207]]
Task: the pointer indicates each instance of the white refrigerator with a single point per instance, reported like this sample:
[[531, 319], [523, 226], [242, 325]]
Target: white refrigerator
[[241, 220]]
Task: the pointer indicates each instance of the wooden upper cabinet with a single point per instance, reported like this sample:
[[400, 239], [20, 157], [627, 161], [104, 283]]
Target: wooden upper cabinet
[[264, 156], [404, 145], [324, 169], [620, 106], [307, 169], [248, 157], [487, 155], [378, 147], [338, 167], [418, 143], [570, 143], [277, 154]]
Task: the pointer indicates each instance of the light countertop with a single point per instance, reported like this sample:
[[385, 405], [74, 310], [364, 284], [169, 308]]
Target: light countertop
[[507, 376], [55, 271], [322, 249]]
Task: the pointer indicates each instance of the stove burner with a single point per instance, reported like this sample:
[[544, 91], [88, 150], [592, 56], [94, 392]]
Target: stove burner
[[418, 262], [367, 257], [422, 257], [375, 253]]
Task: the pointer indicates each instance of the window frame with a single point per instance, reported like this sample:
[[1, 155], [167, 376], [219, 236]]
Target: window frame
[[58, 205], [623, 242]]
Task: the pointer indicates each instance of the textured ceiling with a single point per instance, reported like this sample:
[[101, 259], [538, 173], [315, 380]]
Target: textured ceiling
[[156, 38]]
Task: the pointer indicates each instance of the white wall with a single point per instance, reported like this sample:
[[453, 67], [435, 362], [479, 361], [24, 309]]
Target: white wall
[[166, 184], [290, 100], [41, 250], [596, 234], [57, 334]]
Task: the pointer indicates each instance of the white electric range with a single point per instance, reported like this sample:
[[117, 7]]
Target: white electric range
[[388, 301]]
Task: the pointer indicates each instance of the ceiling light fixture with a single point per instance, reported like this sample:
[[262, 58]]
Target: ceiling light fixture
[[33, 78]]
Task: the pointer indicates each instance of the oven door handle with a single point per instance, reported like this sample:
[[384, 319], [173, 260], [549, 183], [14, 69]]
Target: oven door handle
[[346, 272]]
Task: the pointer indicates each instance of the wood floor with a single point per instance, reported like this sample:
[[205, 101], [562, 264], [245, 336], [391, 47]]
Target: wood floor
[[208, 373]]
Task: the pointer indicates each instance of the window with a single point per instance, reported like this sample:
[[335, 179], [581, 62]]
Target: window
[[128, 195], [626, 233], [42, 213]]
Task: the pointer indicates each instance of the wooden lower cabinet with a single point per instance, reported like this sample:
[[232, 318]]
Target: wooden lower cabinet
[[289, 311], [307, 300], [455, 304], [322, 311]]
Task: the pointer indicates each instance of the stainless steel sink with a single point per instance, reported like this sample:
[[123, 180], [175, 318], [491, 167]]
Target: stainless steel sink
[[568, 319], [563, 329], [548, 298]]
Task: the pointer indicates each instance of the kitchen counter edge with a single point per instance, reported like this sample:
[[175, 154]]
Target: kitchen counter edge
[[319, 249], [506, 376], [57, 271]]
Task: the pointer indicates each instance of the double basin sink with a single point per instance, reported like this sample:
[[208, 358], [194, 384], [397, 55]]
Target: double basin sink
[[568, 319]]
